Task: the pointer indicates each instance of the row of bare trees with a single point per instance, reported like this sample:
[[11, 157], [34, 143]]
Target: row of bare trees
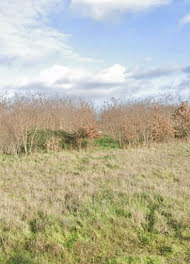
[[126, 122], [145, 121], [26, 114]]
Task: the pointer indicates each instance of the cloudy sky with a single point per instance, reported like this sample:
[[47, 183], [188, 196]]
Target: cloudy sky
[[95, 48]]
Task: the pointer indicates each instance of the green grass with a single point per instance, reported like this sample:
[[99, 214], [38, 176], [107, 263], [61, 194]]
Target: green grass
[[107, 142], [106, 206]]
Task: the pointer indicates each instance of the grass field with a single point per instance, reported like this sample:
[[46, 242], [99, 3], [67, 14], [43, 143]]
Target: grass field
[[98, 206]]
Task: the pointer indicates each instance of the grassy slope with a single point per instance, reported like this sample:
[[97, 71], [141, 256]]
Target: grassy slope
[[99, 206]]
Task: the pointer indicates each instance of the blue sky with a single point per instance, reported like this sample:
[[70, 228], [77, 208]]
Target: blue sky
[[96, 49]]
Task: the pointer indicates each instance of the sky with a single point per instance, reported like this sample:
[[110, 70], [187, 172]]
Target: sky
[[95, 49]]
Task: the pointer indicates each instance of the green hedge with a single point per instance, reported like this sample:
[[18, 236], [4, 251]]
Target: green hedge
[[47, 139]]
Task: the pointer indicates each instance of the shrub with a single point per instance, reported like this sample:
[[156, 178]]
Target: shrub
[[137, 122], [29, 123], [181, 118], [50, 140], [25, 120], [161, 127], [107, 142]]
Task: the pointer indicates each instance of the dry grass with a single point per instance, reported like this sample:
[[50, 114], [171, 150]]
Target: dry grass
[[96, 206]]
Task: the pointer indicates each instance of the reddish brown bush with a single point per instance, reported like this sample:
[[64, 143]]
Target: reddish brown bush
[[138, 122], [181, 118], [161, 127]]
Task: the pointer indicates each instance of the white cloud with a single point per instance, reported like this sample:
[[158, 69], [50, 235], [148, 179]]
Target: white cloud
[[114, 81], [148, 59], [185, 20], [115, 73], [101, 9], [25, 35], [67, 81], [67, 78], [27, 39]]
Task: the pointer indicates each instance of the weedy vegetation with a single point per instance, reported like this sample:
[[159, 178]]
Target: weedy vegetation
[[106, 188]]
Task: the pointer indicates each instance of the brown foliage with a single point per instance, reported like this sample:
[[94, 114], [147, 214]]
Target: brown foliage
[[182, 120], [133, 122], [29, 114], [137, 122], [161, 127]]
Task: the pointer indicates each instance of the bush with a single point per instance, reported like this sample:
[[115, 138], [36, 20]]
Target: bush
[[182, 120], [137, 123], [161, 127], [28, 124], [50, 140], [24, 120], [107, 142]]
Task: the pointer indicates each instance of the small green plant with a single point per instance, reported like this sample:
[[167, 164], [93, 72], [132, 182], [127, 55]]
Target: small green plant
[[107, 142]]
